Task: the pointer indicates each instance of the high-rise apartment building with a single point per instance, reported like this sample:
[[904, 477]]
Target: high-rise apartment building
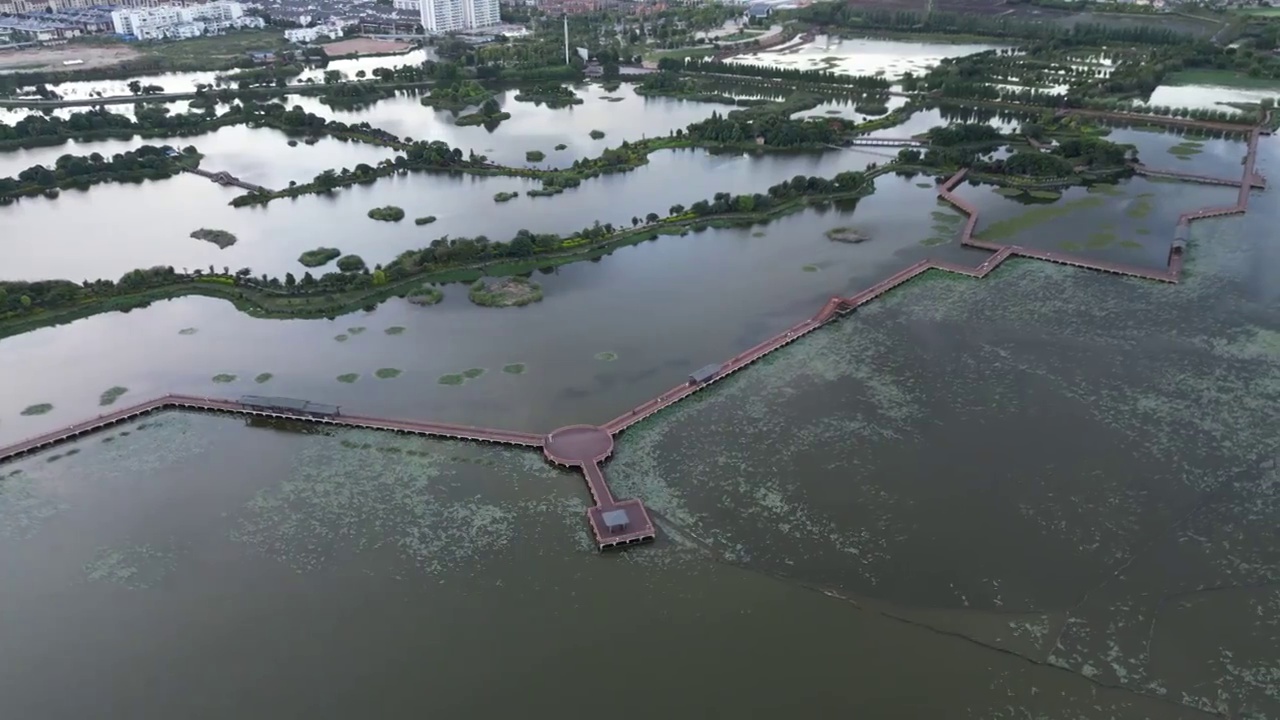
[[174, 22], [441, 16]]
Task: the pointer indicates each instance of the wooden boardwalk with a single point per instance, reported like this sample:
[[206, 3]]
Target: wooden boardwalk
[[223, 177], [1256, 181], [190, 402], [617, 523]]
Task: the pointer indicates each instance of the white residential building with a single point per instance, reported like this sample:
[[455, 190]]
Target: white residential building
[[442, 16], [410, 5], [313, 33], [174, 22], [482, 13]]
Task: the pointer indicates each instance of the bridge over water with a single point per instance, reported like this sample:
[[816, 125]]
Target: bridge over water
[[223, 177], [615, 522]]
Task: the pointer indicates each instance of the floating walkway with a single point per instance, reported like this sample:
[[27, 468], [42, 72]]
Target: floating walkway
[[223, 177], [619, 523], [206, 404], [1256, 181], [885, 142]]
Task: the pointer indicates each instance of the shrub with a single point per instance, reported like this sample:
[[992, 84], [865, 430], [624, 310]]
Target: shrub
[[387, 213], [351, 263], [319, 256]]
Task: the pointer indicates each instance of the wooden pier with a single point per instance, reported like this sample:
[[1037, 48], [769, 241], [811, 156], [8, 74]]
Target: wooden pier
[[619, 523], [223, 177]]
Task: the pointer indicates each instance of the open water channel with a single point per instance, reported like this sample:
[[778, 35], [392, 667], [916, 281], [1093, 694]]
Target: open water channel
[[1046, 494]]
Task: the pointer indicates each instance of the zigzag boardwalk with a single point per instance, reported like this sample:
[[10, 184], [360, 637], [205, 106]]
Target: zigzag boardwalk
[[617, 523]]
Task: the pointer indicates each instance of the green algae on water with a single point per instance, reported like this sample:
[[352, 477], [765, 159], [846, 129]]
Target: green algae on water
[[1004, 229], [387, 373], [263, 377], [451, 379], [135, 567], [188, 331], [356, 330], [607, 356], [348, 377], [40, 409], [340, 338], [1141, 207], [513, 369], [810, 268], [109, 396], [394, 330], [224, 378], [472, 373]]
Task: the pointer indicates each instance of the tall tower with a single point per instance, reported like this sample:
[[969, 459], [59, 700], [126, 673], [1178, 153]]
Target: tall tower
[[566, 38]]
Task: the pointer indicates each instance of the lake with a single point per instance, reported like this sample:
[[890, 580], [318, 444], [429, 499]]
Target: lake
[[1048, 493]]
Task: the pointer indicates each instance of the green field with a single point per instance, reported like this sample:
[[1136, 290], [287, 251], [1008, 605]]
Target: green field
[[680, 53], [1224, 78], [1260, 11]]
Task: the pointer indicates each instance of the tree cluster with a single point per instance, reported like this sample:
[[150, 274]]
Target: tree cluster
[[792, 75]]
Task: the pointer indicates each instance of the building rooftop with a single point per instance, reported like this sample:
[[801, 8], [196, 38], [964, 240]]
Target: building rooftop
[[288, 404], [706, 372], [615, 518]]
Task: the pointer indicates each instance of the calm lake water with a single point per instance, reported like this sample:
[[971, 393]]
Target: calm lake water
[[1048, 494]]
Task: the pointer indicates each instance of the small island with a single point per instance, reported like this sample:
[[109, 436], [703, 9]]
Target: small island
[[457, 96], [221, 238], [426, 295], [505, 196], [351, 263], [535, 156], [319, 256], [505, 292], [846, 235], [387, 213], [596, 134], [554, 95], [489, 115], [561, 146], [425, 220]]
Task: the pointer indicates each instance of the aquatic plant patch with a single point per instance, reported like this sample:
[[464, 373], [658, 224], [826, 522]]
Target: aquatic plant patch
[[109, 396]]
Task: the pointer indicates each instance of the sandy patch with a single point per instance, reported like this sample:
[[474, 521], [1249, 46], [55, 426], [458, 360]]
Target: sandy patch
[[364, 46], [51, 58]]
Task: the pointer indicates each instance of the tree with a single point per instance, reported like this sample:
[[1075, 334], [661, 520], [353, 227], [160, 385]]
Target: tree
[[490, 107], [634, 221], [25, 301], [135, 87], [611, 71], [651, 218], [290, 280], [676, 209]]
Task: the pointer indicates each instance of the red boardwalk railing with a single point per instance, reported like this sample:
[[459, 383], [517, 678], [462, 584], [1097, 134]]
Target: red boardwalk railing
[[624, 522]]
